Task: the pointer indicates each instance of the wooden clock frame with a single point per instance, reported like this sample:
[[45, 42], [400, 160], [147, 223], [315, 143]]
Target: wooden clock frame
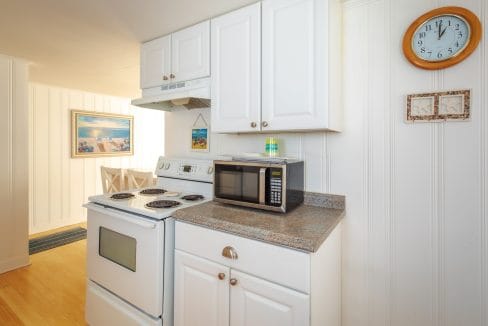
[[473, 41]]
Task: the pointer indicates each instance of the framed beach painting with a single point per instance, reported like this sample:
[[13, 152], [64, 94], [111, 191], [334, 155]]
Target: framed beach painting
[[101, 134]]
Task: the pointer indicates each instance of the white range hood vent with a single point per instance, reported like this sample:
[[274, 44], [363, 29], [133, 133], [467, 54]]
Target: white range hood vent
[[193, 94]]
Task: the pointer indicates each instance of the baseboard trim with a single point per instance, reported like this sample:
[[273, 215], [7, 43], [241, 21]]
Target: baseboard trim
[[14, 263]]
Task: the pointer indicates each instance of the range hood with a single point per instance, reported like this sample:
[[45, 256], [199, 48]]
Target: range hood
[[193, 94]]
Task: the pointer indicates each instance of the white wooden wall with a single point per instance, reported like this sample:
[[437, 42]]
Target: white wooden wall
[[13, 164], [415, 242], [59, 184]]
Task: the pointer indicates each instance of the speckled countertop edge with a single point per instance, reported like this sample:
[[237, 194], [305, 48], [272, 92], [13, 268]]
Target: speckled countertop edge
[[318, 217]]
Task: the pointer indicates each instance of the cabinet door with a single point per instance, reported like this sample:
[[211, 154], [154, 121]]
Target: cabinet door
[[255, 302], [191, 52], [295, 60], [201, 298], [236, 70], [156, 62]]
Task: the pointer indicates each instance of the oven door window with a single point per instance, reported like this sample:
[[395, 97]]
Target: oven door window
[[237, 183], [118, 248]]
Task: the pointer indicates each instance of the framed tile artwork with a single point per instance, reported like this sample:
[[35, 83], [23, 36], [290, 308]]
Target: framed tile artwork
[[439, 106]]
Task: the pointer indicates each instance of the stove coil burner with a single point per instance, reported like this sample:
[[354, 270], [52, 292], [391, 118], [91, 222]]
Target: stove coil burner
[[192, 197], [163, 204], [152, 191], [122, 195]]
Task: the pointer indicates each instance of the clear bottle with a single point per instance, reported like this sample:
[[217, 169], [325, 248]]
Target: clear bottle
[[272, 147]]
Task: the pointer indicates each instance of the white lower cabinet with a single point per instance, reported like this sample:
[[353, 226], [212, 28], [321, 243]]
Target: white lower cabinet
[[226, 280], [201, 298], [256, 302]]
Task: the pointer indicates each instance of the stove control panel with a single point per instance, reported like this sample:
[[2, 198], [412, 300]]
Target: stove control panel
[[189, 169]]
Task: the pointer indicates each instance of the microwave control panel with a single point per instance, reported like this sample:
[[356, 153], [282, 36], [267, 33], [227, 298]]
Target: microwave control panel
[[276, 187]]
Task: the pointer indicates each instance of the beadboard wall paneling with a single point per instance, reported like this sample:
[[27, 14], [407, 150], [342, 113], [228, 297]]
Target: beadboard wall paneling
[[415, 239], [60, 185], [13, 164]]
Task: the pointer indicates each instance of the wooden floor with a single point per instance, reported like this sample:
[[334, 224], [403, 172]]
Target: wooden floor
[[51, 291]]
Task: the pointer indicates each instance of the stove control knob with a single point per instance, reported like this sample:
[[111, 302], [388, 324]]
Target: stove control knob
[[210, 170], [167, 166], [161, 165]]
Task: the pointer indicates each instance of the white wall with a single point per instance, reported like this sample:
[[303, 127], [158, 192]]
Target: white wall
[[13, 164], [59, 184], [415, 248]]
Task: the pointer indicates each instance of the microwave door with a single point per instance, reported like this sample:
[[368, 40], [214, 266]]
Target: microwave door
[[229, 184], [237, 183]]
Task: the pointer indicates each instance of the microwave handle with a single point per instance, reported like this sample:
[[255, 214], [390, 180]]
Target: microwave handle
[[262, 186]]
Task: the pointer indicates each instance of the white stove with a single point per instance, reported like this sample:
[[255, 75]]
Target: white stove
[[178, 178], [131, 245], [137, 203]]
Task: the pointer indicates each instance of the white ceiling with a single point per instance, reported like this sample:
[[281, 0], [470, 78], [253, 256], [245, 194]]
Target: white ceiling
[[93, 45]]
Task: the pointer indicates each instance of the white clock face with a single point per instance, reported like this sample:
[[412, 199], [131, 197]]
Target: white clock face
[[441, 38]]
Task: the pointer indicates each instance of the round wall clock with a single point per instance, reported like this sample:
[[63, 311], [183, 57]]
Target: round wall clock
[[442, 37]]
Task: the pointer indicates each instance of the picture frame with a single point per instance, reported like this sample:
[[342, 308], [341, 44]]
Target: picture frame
[[95, 134], [200, 135], [452, 105], [200, 140]]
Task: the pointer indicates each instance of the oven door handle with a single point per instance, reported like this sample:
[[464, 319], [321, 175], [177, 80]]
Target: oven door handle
[[121, 216]]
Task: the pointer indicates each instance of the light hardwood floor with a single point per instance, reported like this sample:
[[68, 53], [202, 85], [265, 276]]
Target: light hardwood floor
[[51, 291]]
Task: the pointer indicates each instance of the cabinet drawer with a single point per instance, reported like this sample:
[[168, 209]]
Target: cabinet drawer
[[280, 265]]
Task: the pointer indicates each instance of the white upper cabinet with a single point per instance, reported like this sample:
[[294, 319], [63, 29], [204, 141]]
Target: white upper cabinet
[[156, 62], [292, 82], [181, 56], [191, 52], [298, 55], [236, 70]]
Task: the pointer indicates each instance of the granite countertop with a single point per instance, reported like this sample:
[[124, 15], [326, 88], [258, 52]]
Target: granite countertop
[[305, 228]]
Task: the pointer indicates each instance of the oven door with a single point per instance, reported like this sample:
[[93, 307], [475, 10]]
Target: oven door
[[125, 256]]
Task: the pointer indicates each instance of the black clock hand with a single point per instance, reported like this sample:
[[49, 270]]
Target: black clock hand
[[439, 31], [442, 33]]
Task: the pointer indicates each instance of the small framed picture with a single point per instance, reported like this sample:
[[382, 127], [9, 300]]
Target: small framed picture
[[199, 139], [200, 134]]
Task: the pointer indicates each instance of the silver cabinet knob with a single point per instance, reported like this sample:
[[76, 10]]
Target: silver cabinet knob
[[254, 124], [165, 77], [229, 252], [233, 281], [264, 124], [221, 276], [172, 76]]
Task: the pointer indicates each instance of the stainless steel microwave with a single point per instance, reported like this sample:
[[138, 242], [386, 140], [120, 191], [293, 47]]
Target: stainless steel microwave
[[269, 185]]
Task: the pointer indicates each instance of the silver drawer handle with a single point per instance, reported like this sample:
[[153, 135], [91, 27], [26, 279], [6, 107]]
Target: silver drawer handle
[[229, 252]]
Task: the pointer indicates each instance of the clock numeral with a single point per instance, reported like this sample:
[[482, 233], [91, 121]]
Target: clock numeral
[[439, 55], [428, 28], [420, 42], [449, 50], [457, 44], [422, 50], [460, 34], [449, 23], [457, 27], [422, 34], [430, 53], [439, 22]]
